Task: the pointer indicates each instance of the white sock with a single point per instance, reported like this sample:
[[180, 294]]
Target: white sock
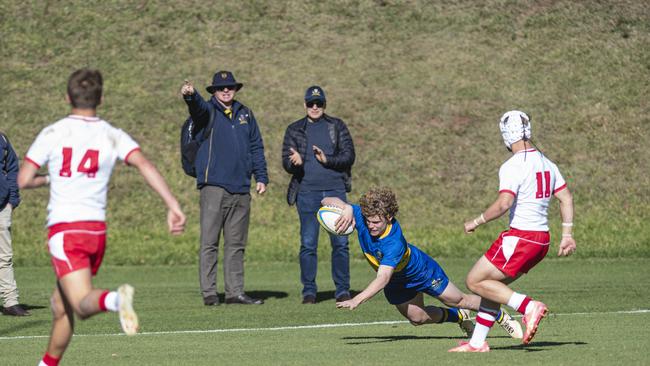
[[112, 301], [515, 301], [481, 330], [479, 335]]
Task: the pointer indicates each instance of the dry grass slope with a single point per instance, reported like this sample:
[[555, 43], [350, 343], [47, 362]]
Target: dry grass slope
[[420, 85]]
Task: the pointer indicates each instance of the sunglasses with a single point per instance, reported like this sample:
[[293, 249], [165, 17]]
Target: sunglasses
[[229, 87], [316, 103]]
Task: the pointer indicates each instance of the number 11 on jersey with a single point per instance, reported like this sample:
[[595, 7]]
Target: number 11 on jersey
[[543, 186]]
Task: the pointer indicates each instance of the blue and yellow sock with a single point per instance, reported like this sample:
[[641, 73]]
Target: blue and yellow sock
[[450, 315], [500, 317]]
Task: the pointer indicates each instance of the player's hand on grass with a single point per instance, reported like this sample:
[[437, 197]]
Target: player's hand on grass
[[348, 304], [187, 88], [176, 221], [567, 247], [295, 157]]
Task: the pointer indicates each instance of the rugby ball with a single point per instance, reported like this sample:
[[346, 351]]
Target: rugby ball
[[327, 216]]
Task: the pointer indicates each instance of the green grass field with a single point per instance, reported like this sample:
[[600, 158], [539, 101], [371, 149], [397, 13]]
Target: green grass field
[[421, 85], [596, 317]]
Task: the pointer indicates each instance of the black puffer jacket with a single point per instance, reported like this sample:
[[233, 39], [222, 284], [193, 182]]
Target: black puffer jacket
[[342, 159]]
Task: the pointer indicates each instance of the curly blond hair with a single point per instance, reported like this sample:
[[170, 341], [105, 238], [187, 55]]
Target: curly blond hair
[[379, 201]]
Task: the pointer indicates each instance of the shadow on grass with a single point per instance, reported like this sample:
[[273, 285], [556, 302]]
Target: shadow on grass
[[259, 295], [537, 346], [32, 307], [27, 324], [381, 339], [329, 295]]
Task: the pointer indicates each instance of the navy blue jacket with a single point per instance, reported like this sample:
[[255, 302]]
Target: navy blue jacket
[[232, 151], [8, 174]]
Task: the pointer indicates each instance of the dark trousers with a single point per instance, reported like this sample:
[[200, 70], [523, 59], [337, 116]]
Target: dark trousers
[[221, 210], [308, 204]]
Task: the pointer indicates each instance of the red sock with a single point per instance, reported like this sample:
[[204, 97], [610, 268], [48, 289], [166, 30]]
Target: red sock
[[486, 316], [522, 307], [50, 360], [102, 302]]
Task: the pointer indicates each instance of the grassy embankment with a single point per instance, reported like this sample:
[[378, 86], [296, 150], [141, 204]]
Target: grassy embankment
[[420, 86]]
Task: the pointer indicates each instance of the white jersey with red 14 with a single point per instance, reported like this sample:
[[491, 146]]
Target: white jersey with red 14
[[80, 153], [532, 179]]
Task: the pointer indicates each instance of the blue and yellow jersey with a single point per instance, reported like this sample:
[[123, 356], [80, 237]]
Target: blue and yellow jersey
[[413, 267]]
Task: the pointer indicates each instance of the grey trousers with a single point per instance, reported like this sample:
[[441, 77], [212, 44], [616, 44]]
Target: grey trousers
[[8, 289], [229, 212]]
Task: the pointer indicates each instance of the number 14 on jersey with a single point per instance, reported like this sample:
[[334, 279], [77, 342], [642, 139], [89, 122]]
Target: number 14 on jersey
[[89, 163]]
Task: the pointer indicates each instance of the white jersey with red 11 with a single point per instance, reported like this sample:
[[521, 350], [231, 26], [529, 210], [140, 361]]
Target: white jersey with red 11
[[532, 179], [80, 153]]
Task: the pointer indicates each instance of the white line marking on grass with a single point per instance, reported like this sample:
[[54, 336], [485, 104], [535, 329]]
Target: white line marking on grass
[[298, 327]]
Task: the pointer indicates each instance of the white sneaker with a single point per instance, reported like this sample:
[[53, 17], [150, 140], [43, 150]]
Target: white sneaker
[[464, 322], [510, 325], [128, 317]]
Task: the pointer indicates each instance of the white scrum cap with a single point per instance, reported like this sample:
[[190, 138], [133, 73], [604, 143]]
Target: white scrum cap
[[514, 126]]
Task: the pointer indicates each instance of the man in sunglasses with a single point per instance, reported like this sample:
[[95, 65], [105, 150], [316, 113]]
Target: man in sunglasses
[[318, 152], [232, 151]]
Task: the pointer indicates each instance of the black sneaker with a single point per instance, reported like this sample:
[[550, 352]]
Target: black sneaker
[[15, 310], [212, 300], [244, 299], [309, 299]]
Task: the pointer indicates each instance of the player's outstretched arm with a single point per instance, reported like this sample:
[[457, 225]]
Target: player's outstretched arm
[[334, 201], [384, 273], [27, 177], [496, 209], [568, 244], [175, 217]]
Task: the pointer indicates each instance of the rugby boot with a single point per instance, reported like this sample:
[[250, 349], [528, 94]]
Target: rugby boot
[[538, 310], [466, 347], [128, 317], [510, 325], [465, 323]]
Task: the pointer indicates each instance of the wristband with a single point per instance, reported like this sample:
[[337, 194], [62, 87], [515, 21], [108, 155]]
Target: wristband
[[567, 224], [567, 235], [476, 223], [47, 180], [483, 218]]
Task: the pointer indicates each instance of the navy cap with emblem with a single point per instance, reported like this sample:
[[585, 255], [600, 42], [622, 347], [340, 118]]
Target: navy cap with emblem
[[315, 92]]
